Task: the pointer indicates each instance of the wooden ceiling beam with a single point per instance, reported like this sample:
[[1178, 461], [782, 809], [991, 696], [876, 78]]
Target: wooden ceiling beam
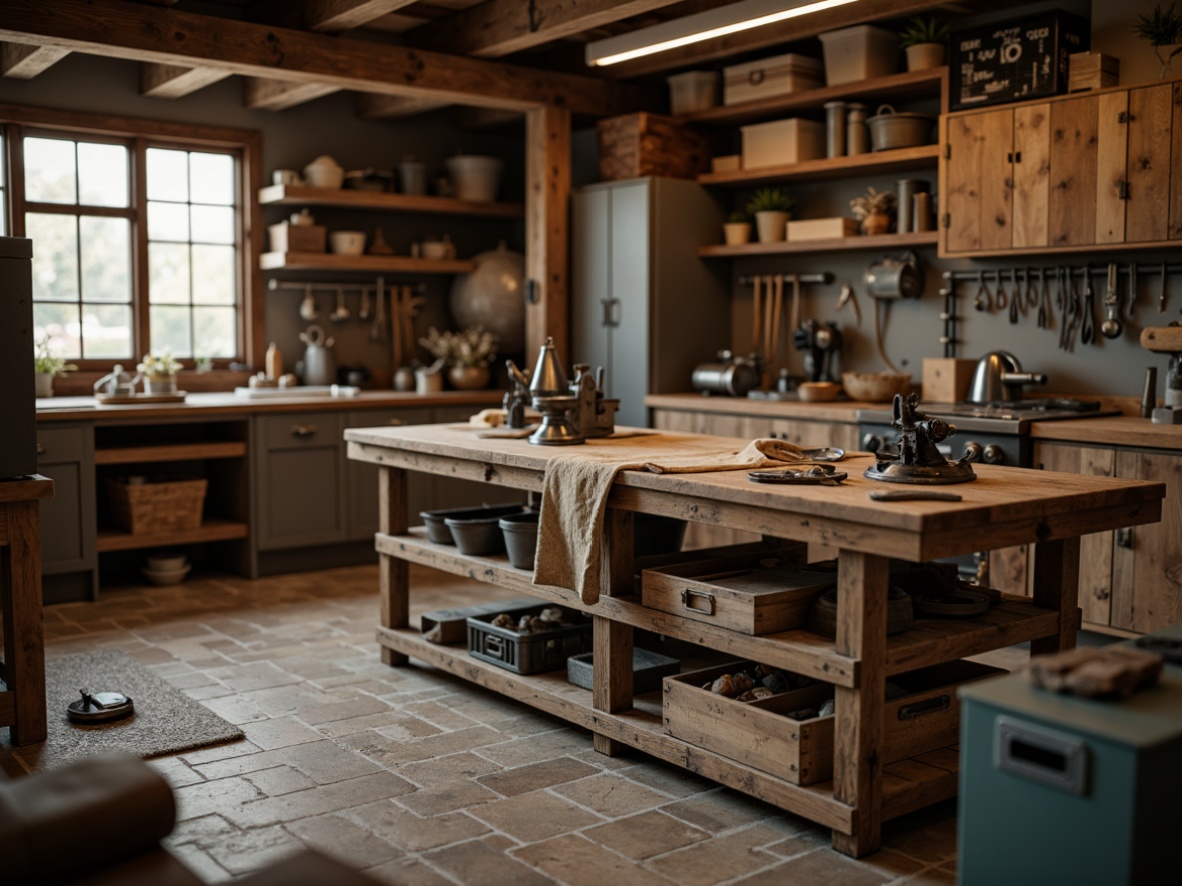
[[389, 107], [176, 81], [261, 94], [500, 27], [119, 29], [331, 16], [24, 62]]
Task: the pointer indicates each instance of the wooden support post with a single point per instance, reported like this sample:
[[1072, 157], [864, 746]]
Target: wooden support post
[[858, 729], [612, 648], [20, 606], [394, 572], [547, 227], [1056, 586]]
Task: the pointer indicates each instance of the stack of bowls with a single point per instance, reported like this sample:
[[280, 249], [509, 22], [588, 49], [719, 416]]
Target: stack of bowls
[[168, 568]]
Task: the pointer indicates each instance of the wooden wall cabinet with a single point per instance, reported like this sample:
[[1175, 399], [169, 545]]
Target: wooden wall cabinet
[[1071, 173]]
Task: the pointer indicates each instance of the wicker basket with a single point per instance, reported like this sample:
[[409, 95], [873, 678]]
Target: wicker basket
[[143, 508]]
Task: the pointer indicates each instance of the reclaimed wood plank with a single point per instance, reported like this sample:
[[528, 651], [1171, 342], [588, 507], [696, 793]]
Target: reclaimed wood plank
[[1112, 151], [1032, 179], [1150, 125], [393, 571], [1072, 206]]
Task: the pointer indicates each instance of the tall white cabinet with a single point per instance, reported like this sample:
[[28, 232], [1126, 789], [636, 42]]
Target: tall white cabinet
[[645, 307]]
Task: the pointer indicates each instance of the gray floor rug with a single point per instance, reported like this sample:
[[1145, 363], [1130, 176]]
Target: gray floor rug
[[165, 720]]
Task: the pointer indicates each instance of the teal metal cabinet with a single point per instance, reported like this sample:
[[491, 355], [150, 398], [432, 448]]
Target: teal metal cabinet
[[299, 463], [65, 454]]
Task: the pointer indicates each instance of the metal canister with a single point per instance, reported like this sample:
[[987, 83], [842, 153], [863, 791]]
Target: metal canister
[[857, 139], [734, 377], [835, 129], [921, 212]]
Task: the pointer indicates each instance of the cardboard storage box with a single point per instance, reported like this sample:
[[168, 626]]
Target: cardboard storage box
[[823, 228], [726, 163], [947, 379], [636, 145], [859, 53], [759, 734], [782, 142], [755, 593], [769, 77], [286, 237], [692, 91]]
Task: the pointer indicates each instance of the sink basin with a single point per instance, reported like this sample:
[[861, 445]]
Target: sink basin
[[297, 392]]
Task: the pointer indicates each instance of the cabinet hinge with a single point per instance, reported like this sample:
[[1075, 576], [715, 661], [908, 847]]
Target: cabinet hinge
[[1122, 190], [1122, 117], [946, 220]]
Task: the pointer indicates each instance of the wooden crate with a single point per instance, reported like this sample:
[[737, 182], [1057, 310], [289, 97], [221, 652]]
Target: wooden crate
[[1092, 70], [286, 237], [947, 379], [636, 145], [759, 734], [759, 592]]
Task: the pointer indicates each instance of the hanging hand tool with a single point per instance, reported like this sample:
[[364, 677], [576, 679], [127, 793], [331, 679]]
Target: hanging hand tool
[[1132, 288], [1087, 331], [1060, 289], [1161, 299], [1031, 290], [1000, 297], [778, 314], [1015, 299], [1111, 327], [378, 329], [982, 300], [757, 315], [1044, 300], [847, 295]]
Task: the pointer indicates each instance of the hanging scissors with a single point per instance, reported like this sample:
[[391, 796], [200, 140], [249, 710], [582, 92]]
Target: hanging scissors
[[1001, 298], [982, 301]]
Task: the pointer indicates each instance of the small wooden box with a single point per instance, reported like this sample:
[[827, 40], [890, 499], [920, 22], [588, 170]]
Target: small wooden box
[[822, 229], [726, 163], [947, 379], [754, 593], [1092, 70], [782, 142], [636, 145], [286, 237], [758, 733], [769, 77]]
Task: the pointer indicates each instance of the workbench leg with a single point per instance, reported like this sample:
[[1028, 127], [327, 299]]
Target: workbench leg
[[858, 727], [1056, 586], [24, 635], [393, 572], [612, 650]]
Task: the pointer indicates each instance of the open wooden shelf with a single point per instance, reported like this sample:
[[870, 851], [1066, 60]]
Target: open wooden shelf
[[837, 244], [929, 641], [170, 452], [895, 87], [907, 785], [898, 160], [328, 261], [212, 529], [298, 195]]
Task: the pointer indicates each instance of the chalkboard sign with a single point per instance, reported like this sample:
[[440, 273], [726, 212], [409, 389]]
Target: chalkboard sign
[[1013, 61]]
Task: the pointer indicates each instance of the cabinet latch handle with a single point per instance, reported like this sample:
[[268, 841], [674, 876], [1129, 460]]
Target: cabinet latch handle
[[41, 450], [927, 706], [687, 601], [303, 430], [1124, 537], [1122, 190]]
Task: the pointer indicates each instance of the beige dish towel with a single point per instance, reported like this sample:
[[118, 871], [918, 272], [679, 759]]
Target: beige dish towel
[[574, 499]]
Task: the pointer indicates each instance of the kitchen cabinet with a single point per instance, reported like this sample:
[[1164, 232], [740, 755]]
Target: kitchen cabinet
[[65, 454], [864, 791], [643, 306], [1064, 174], [300, 480]]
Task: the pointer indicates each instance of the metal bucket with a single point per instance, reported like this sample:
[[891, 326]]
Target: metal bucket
[[890, 129]]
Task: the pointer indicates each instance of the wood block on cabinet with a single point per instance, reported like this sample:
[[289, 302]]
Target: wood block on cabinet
[[947, 379], [636, 145], [286, 237], [1092, 70]]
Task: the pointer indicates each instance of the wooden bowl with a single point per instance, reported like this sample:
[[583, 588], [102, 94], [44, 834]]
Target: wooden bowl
[[818, 391], [875, 387]]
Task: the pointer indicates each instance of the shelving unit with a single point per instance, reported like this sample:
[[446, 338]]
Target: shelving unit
[[1001, 509], [842, 244], [327, 261], [211, 529], [381, 201], [898, 160], [178, 452]]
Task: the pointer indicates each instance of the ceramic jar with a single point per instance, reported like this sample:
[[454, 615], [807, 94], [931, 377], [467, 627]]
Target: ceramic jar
[[468, 378]]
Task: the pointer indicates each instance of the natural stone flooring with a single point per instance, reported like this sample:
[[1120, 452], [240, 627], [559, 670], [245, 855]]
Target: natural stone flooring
[[417, 777]]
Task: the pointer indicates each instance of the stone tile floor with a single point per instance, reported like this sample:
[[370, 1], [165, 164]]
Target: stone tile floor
[[419, 778]]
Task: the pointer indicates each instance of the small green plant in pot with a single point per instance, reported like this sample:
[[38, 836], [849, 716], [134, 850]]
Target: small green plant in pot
[[737, 229], [772, 207], [1162, 29], [874, 211], [46, 366], [924, 42]]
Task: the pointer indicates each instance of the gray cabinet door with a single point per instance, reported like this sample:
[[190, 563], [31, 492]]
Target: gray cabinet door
[[591, 278], [66, 456], [627, 371], [300, 474], [361, 487]]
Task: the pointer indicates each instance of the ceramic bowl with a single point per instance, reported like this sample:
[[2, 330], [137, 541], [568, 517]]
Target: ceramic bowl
[[166, 561], [169, 577], [347, 242], [818, 391], [324, 172], [875, 387], [435, 250]]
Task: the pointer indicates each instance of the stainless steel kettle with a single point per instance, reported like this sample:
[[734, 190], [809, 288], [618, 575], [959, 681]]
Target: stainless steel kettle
[[998, 377]]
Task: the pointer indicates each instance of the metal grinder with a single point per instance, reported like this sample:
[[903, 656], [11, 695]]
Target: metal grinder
[[1167, 340]]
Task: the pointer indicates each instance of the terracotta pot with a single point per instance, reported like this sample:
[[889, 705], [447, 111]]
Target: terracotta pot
[[771, 226], [736, 233], [468, 378], [922, 56], [879, 223]]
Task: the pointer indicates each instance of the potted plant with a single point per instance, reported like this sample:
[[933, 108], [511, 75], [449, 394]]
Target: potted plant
[[874, 211], [737, 229], [467, 355], [159, 371], [1162, 29], [772, 209], [924, 42], [46, 366]]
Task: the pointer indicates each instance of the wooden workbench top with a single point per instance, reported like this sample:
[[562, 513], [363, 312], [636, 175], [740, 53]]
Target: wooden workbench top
[[1111, 430], [840, 411]]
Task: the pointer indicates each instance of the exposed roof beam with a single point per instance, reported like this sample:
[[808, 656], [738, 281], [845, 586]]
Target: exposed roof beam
[[500, 27], [23, 62], [388, 107], [176, 81], [261, 94], [147, 33], [342, 15]]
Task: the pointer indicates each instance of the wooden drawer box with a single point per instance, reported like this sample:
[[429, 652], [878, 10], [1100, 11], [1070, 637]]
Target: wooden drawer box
[[636, 145], [758, 733], [759, 592]]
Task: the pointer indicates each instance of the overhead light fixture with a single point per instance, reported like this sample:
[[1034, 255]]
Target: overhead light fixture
[[729, 19]]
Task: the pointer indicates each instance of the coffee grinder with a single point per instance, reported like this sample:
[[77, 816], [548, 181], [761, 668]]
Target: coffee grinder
[[1167, 340], [820, 346]]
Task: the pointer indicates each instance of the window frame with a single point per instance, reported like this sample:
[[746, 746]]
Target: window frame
[[139, 134]]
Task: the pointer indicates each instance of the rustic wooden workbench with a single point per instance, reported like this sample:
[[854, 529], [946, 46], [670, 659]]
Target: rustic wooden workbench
[[1004, 506]]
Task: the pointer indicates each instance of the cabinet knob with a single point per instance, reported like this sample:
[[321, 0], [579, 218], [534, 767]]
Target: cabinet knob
[[41, 450], [303, 430], [1124, 537]]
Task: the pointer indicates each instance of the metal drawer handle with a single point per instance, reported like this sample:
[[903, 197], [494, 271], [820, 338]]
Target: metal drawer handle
[[687, 601], [303, 430], [927, 706], [494, 646], [41, 449], [1124, 537]]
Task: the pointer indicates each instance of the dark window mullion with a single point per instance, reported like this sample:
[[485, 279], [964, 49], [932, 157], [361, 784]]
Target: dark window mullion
[[77, 209], [78, 284], [141, 318]]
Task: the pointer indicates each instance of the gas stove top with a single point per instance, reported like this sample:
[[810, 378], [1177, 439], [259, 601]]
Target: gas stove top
[[1013, 417]]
